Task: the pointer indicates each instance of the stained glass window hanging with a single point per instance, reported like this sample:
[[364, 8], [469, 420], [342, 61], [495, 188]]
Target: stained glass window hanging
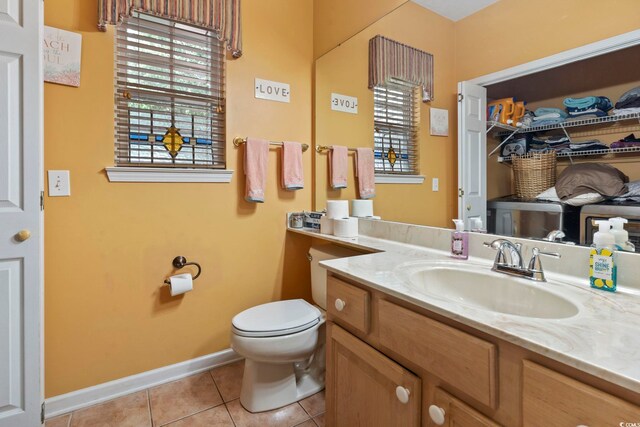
[[169, 95], [396, 127]]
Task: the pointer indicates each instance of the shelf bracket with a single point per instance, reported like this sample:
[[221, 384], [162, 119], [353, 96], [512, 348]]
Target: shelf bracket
[[565, 132], [503, 142]]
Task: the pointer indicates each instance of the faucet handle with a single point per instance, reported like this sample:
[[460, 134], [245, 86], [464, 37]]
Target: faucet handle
[[535, 266], [537, 251]]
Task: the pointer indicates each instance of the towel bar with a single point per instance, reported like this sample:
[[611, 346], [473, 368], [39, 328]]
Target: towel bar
[[238, 141]]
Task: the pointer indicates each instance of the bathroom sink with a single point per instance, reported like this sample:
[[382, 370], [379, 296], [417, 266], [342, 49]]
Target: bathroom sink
[[479, 287]]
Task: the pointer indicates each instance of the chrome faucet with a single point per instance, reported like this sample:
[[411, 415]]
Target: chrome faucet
[[509, 260], [554, 235]]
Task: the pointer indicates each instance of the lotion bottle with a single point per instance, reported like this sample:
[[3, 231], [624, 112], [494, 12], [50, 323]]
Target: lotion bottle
[[459, 241], [602, 265]]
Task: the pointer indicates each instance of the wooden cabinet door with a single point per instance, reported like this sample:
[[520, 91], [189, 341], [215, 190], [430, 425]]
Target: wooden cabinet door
[[362, 384], [455, 413]]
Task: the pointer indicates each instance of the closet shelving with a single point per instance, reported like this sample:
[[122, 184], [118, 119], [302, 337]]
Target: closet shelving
[[511, 131]]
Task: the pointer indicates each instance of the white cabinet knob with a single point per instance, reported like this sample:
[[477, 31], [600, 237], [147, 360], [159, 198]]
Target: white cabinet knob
[[402, 394], [340, 304], [437, 414]]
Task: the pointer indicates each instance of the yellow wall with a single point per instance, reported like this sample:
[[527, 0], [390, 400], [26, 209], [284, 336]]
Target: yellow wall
[[334, 21], [345, 70], [109, 246], [513, 32]]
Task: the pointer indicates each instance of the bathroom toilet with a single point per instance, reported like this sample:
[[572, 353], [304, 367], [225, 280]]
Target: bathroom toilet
[[283, 343]]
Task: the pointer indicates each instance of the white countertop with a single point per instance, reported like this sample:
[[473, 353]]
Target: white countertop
[[603, 339]]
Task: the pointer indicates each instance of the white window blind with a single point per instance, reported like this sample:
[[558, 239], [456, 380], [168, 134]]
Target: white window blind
[[169, 98], [396, 126]]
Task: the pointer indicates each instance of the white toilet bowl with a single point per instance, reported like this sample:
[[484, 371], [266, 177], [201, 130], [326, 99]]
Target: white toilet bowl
[[283, 346]]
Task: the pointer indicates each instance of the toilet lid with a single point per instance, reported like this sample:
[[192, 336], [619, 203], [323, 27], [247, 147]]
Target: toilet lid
[[276, 318]]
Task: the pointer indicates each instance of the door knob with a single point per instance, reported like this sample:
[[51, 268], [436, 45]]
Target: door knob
[[402, 394], [437, 414], [340, 304], [23, 235]]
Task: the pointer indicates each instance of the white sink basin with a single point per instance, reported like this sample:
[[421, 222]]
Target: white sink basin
[[482, 288]]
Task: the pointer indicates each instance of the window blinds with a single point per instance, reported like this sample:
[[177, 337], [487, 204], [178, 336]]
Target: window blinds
[[169, 98], [396, 126]]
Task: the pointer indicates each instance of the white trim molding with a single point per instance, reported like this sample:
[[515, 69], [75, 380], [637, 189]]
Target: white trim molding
[[140, 174], [388, 178], [78, 399], [591, 50]]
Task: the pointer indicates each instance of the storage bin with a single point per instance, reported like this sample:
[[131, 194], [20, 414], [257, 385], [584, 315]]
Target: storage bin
[[533, 173]]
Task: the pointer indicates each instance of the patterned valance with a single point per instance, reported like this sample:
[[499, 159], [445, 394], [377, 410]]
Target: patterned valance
[[390, 60], [220, 16]]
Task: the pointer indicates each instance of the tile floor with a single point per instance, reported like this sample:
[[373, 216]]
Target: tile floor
[[208, 399]]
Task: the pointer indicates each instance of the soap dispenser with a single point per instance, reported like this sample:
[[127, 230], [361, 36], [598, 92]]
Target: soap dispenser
[[621, 235], [459, 241], [602, 265]]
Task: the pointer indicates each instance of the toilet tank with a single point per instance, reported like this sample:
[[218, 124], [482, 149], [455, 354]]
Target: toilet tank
[[319, 274]]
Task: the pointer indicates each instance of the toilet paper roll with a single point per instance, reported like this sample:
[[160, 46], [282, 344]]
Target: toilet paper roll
[[337, 209], [181, 283], [326, 225], [361, 208], [345, 227]]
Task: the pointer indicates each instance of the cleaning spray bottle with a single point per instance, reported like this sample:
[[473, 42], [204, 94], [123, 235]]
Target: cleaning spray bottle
[[621, 235], [459, 241], [602, 265]]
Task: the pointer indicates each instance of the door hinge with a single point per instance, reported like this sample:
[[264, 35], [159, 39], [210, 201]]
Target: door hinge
[[42, 413], [42, 200], [460, 192], [460, 97]]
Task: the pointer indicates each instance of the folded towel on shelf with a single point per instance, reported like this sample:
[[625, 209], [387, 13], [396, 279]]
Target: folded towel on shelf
[[624, 111], [629, 99], [627, 142], [292, 171], [547, 122], [256, 154], [591, 145], [365, 173], [338, 166], [551, 112], [588, 102]]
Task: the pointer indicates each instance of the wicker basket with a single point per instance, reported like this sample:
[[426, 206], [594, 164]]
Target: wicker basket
[[533, 173]]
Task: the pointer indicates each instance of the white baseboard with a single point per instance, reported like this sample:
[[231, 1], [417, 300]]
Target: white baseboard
[[68, 402]]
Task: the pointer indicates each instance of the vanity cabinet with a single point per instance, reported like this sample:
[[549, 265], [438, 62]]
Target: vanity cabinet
[[391, 363]]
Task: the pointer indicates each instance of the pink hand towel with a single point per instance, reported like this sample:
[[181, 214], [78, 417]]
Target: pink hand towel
[[292, 173], [338, 166], [256, 153], [365, 173]]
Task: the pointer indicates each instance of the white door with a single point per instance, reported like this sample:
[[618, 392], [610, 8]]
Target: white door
[[21, 255], [472, 152]]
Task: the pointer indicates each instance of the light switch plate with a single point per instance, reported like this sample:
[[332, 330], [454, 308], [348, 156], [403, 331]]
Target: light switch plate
[[435, 184], [59, 183]]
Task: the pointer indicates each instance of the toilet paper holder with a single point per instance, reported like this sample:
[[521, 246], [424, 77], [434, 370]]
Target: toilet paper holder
[[181, 262]]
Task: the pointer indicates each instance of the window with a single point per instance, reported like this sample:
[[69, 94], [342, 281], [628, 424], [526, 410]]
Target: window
[[396, 120], [169, 95]]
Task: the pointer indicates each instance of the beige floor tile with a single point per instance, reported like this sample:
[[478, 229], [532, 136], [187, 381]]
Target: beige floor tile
[[228, 378], [179, 399], [61, 421], [319, 420], [289, 416], [128, 411], [215, 417], [314, 404], [308, 423]]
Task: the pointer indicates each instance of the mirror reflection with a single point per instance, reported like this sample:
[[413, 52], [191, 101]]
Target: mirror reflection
[[587, 141]]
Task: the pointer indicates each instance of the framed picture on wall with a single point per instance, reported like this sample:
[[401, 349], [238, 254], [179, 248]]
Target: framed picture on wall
[[61, 56], [439, 122]]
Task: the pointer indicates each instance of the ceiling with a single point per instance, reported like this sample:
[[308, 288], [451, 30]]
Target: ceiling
[[455, 10]]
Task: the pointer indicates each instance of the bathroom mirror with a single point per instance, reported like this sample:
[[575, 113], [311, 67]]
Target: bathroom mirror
[[344, 71]]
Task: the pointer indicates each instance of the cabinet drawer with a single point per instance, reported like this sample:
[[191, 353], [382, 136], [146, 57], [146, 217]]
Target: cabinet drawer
[[454, 413], [550, 398], [348, 304], [462, 360]]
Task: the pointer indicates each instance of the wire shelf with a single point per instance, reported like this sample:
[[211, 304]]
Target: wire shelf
[[586, 153], [566, 124]]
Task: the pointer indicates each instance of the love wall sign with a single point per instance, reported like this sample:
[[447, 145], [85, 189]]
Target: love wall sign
[[272, 91]]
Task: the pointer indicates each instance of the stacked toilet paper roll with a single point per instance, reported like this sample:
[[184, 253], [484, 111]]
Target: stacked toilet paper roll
[[345, 227], [361, 208], [337, 209], [326, 225]]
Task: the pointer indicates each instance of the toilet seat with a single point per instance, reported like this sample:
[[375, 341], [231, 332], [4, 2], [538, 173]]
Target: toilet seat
[[276, 319]]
